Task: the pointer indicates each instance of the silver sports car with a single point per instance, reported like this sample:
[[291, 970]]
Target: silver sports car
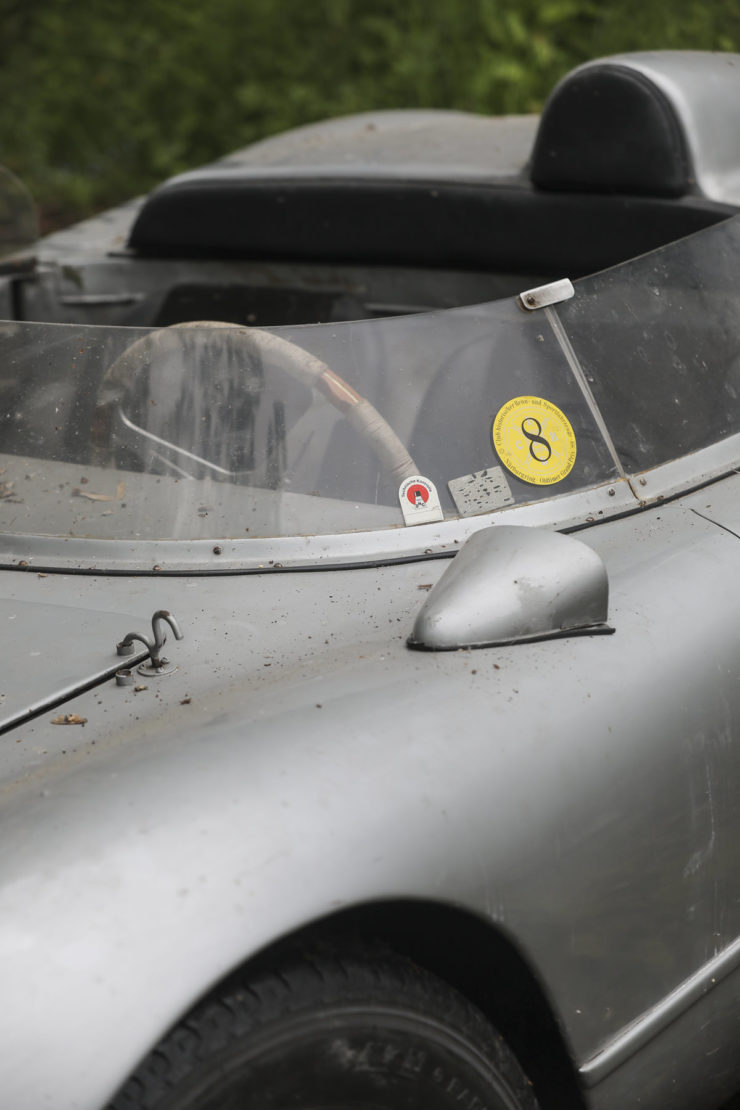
[[370, 547]]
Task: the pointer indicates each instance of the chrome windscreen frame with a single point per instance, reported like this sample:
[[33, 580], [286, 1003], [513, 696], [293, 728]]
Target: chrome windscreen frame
[[261, 555]]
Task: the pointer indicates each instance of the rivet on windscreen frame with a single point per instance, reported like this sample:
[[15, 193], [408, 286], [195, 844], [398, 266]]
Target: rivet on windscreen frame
[[544, 295]]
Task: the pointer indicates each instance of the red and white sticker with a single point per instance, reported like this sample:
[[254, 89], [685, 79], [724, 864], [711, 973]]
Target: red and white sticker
[[419, 501]]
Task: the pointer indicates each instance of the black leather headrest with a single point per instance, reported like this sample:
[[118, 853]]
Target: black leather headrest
[[609, 128]]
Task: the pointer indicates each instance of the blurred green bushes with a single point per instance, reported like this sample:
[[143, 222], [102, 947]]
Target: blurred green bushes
[[100, 99]]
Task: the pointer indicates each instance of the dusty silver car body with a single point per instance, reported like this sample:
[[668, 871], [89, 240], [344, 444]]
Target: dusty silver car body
[[552, 819]]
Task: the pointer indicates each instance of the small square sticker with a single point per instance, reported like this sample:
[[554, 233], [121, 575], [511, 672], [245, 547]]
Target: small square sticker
[[481, 492]]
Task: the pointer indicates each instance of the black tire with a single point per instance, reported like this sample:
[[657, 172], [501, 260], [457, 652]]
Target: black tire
[[330, 1033]]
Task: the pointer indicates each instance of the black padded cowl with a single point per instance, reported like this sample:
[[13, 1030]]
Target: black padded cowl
[[611, 176], [405, 223], [608, 128]]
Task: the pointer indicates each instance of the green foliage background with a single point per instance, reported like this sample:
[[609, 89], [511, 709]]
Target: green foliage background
[[102, 98]]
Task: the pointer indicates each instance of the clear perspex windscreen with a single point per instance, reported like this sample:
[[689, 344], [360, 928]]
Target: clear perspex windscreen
[[206, 431], [659, 342]]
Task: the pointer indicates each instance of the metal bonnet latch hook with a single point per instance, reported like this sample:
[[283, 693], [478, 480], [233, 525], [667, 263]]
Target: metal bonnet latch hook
[[153, 643]]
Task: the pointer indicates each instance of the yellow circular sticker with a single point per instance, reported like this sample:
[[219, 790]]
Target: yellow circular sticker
[[534, 440]]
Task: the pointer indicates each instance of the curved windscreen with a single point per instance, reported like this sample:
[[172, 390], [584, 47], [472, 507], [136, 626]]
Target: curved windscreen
[[208, 430], [659, 342]]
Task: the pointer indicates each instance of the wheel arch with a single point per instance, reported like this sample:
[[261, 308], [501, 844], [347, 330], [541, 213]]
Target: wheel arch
[[476, 957]]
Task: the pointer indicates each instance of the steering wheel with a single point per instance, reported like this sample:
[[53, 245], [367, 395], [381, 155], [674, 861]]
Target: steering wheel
[[306, 368]]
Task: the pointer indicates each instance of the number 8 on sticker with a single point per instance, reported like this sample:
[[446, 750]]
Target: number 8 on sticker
[[534, 440]]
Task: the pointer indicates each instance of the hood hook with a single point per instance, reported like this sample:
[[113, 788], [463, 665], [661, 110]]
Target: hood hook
[[154, 644]]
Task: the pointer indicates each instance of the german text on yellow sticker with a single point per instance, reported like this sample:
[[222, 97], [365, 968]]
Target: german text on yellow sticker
[[534, 440]]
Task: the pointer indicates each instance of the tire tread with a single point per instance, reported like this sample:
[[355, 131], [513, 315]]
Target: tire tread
[[309, 980]]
